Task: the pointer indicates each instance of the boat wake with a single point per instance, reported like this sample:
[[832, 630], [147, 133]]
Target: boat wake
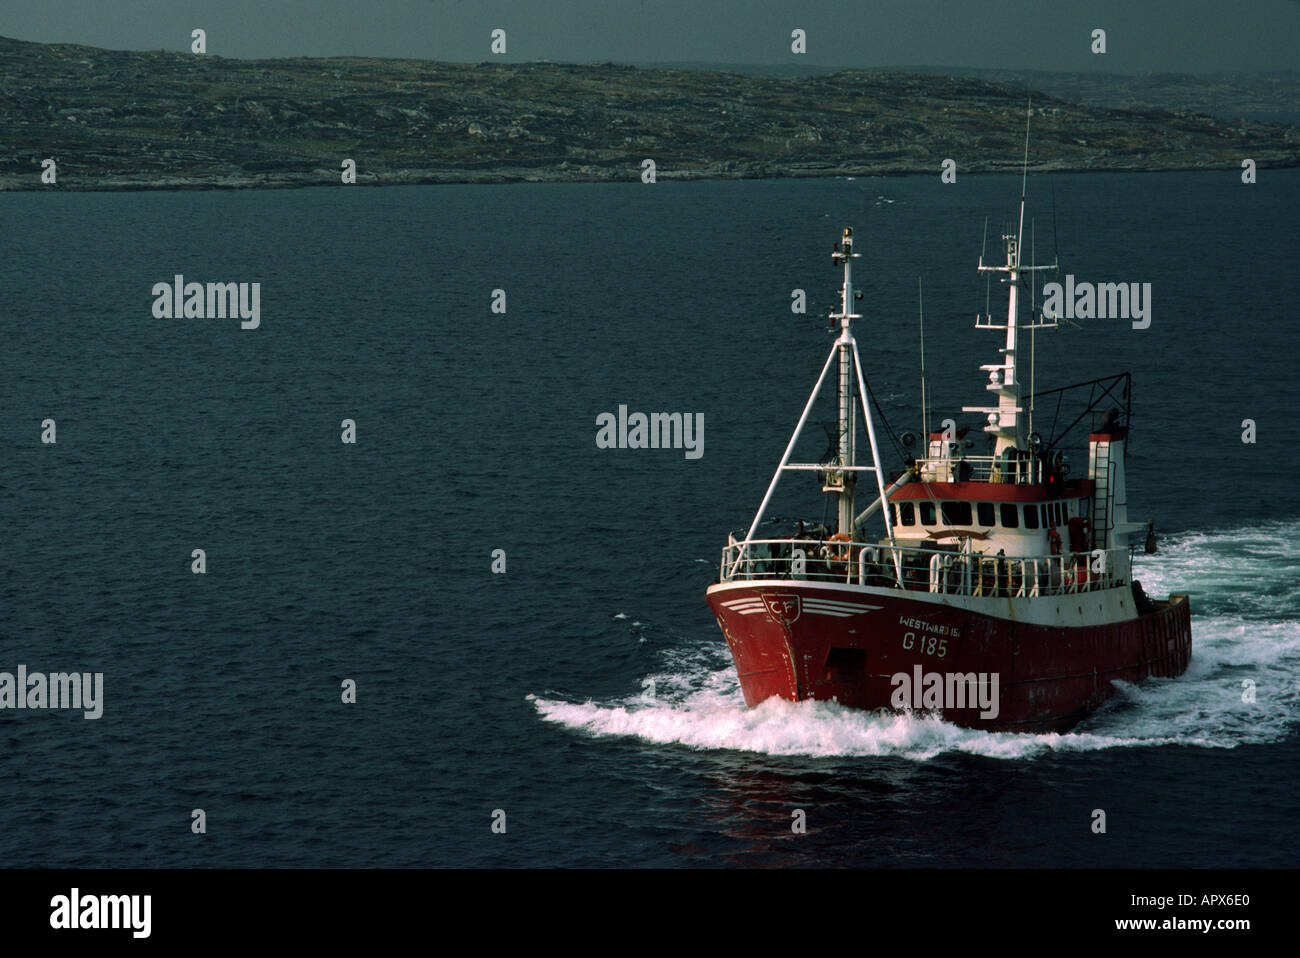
[[1245, 593]]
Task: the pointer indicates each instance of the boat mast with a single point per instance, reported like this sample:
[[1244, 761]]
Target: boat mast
[[839, 476], [851, 363], [1004, 419], [842, 481]]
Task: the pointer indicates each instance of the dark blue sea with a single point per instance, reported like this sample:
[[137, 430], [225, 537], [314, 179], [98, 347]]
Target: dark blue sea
[[586, 691]]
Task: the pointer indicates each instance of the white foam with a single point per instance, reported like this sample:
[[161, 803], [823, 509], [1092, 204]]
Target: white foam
[[1245, 628]]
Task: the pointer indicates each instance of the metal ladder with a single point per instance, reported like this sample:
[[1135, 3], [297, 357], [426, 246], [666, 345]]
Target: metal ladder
[[1101, 496]]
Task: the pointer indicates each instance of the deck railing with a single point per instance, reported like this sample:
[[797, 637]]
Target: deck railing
[[924, 569], [979, 469]]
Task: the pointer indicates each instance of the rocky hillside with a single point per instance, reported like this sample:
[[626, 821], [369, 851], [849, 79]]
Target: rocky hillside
[[162, 120]]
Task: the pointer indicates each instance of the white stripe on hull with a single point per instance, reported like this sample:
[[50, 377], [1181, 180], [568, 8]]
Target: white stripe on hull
[[810, 605], [1104, 607]]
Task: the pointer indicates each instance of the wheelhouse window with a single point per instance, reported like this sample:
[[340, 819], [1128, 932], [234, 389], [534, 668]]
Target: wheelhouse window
[[1010, 515], [927, 513], [1031, 516], [987, 516], [956, 513], [907, 513]]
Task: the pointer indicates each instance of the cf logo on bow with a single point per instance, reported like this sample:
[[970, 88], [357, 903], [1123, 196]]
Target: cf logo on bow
[[781, 608]]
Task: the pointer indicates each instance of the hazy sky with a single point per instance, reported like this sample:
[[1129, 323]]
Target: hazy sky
[[1142, 35]]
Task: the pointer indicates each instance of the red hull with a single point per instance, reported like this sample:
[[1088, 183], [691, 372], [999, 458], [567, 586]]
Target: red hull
[[808, 641]]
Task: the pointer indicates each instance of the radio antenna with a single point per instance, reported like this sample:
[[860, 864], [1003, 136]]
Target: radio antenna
[[925, 421]]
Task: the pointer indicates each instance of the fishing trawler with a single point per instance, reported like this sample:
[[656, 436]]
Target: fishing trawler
[[1000, 595]]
